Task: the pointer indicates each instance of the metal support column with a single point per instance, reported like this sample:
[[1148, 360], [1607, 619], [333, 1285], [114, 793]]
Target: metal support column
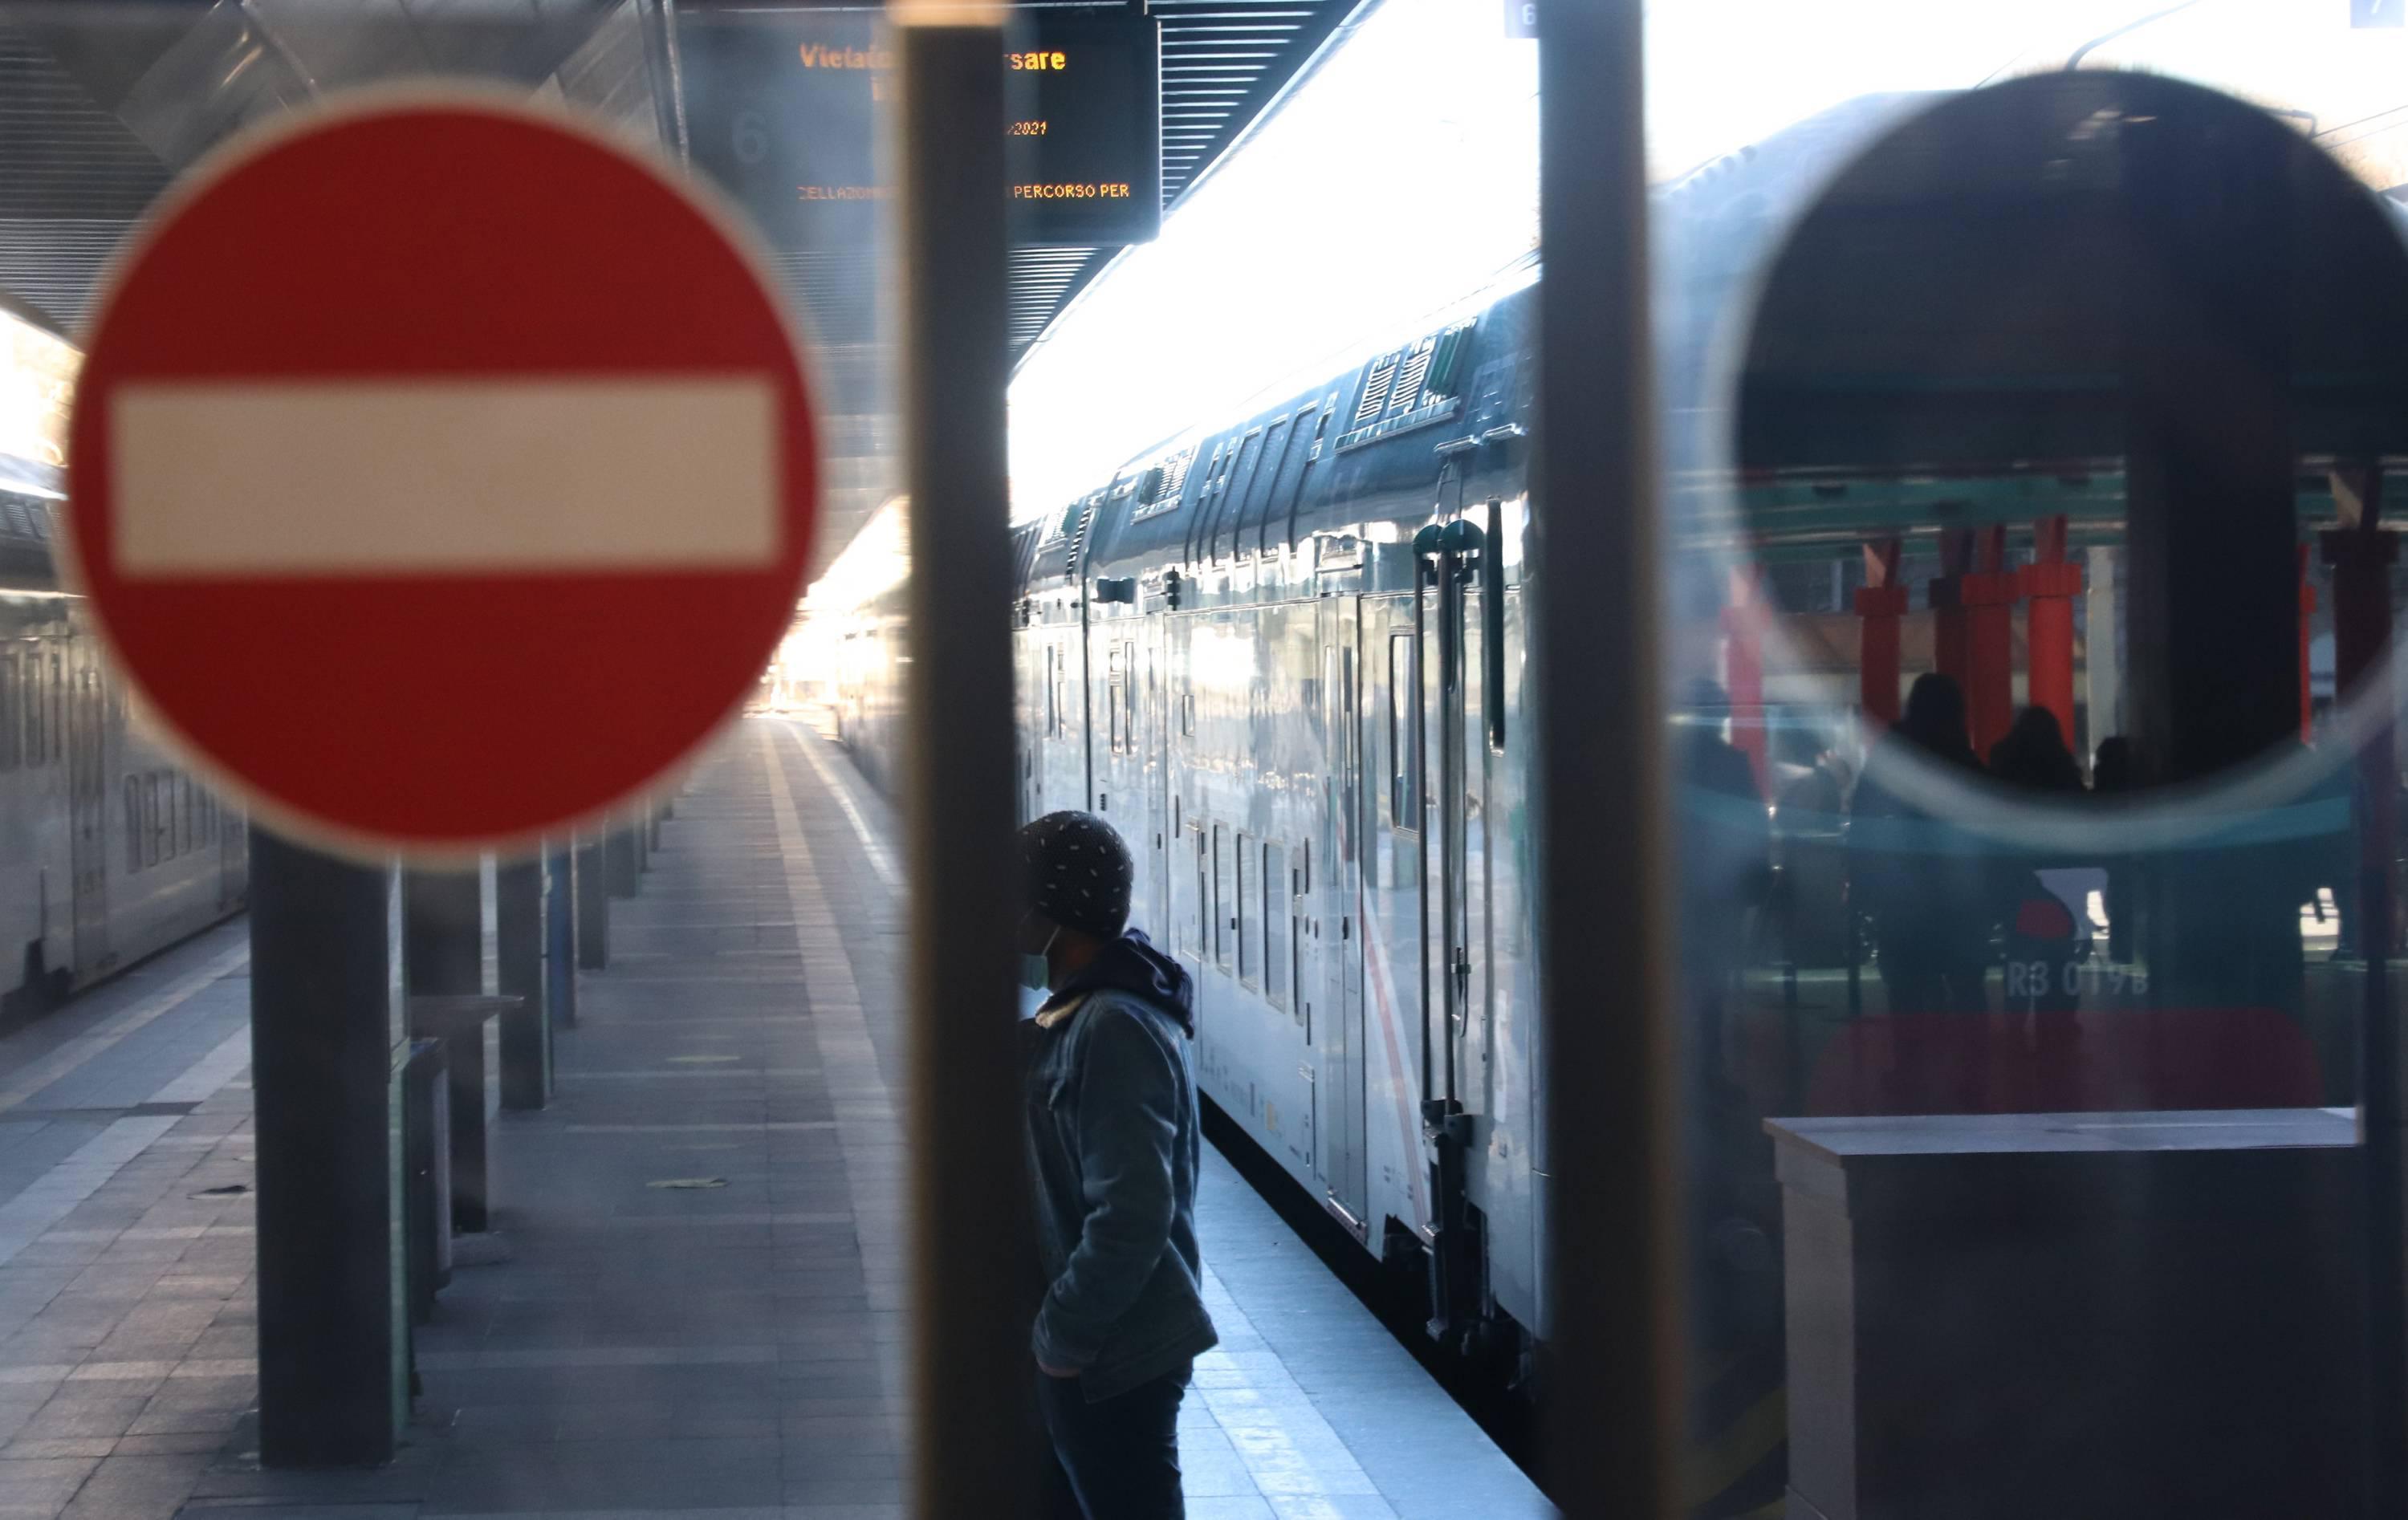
[[2363, 555], [593, 905], [526, 1032], [560, 936], [969, 1209], [443, 939], [626, 865], [327, 1045], [443, 916], [1615, 1406]]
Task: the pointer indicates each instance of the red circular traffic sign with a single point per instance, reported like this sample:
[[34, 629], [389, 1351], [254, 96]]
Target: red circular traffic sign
[[442, 474]]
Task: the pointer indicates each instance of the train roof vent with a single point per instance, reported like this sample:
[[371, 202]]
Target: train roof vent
[[1407, 392], [1174, 475], [1375, 389]]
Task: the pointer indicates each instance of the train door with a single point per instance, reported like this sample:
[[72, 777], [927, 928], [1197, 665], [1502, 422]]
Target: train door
[[1333, 961], [1456, 897], [1188, 884], [87, 812], [1468, 840], [1032, 662], [1389, 913], [234, 853], [1154, 779]]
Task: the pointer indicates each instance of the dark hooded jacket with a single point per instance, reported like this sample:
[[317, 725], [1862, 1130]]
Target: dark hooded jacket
[[1114, 1145]]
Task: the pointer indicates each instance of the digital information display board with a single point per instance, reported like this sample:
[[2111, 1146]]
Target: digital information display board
[[782, 110]]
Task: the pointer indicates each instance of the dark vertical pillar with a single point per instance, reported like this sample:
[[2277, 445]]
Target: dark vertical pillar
[[443, 932], [1613, 1415], [2363, 555], [443, 915], [969, 1205], [526, 1031], [560, 937], [2214, 600], [593, 905], [326, 1034], [619, 852]]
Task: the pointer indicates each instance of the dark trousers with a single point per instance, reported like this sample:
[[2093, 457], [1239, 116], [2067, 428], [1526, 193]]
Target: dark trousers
[[1116, 1458]]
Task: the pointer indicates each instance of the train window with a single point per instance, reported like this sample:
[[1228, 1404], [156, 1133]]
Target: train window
[[1128, 695], [1250, 924], [1224, 898], [1404, 767], [10, 702], [183, 815], [57, 708], [1192, 927], [1276, 907], [156, 821], [1115, 688], [133, 790], [1187, 714], [28, 693], [1061, 691], [1052, 694]]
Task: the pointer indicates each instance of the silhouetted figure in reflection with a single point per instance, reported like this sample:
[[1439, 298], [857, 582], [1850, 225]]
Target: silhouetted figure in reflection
[[2111, 776], [2035, 755], [1917, 879], [2041, 935]]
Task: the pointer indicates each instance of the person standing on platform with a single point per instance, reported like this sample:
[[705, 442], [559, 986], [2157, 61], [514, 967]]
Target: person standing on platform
[[2044, 942], [1113, 1139]]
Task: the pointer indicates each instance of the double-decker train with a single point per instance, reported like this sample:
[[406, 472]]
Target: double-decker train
[[109, 850]]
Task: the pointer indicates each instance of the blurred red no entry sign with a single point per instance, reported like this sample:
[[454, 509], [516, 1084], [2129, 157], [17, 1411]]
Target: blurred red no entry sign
[[441, 473]]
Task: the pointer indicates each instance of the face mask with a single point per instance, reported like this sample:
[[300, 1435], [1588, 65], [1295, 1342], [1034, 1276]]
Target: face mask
[[1036, 970]]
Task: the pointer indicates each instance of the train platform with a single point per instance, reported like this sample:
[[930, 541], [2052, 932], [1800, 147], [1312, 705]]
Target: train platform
[[692, 1300]]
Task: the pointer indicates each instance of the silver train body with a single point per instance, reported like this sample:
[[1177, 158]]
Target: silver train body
[[109, 850]]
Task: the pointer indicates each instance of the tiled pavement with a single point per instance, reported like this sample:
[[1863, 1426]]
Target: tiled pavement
[[730, 1349]]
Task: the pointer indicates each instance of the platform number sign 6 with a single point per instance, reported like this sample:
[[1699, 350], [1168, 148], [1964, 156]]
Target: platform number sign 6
[[1522, 16]]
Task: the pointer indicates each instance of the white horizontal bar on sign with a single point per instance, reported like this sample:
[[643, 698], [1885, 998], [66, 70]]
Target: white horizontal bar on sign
[[547, 474]]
